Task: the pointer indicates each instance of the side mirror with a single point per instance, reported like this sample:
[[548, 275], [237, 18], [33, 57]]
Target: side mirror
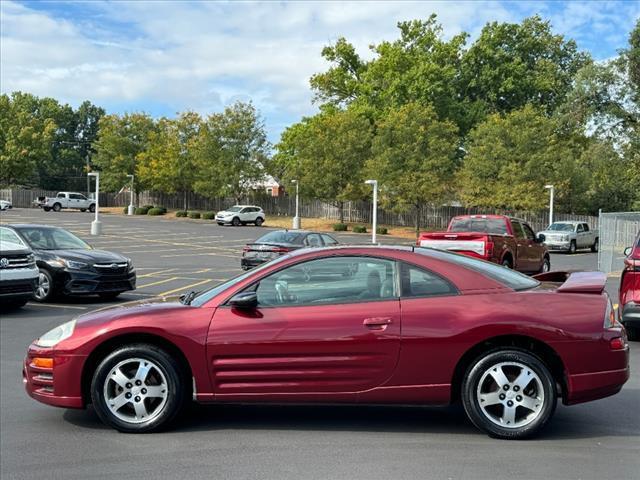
[[627, 251], [541, 238], [244, 300]]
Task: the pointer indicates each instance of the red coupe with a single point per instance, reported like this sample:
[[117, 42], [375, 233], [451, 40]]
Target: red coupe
[[406, 326]]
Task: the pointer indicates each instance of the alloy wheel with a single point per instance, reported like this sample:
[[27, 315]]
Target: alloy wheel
[[44, 286], [510, 395]]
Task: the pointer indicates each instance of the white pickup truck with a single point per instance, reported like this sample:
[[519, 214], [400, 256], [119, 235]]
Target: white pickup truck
[[67, 200]]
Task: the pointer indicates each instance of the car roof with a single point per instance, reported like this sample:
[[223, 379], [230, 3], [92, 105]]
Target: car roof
[[572, 222], [245, 206], [19, 226]]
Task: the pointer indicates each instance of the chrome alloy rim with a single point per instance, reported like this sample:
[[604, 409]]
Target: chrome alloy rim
[[43, 287], [510, 395], [135, 390], [545, 266]]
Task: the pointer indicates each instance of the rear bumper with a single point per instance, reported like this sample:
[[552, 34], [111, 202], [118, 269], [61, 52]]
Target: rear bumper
[[585, 387], [631, 315], [248, 264]]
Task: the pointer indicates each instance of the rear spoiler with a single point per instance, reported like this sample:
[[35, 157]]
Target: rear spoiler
[[575, 282]]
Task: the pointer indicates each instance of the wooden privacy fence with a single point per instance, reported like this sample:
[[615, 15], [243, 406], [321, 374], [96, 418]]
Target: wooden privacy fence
[[357, 212]]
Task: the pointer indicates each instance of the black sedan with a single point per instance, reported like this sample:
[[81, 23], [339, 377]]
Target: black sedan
[[70, 266], [278, 242]]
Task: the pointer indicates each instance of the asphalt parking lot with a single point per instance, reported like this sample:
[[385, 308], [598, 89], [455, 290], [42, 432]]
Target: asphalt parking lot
[[595, 440]]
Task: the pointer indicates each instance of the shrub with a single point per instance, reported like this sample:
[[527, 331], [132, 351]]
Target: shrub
[[194, 214], [382, 231], [181, 213], [141, 211], [359, 229], [163, 209], [209, 215], [125, 210], [339, 227], [155, 211], [148, 207]]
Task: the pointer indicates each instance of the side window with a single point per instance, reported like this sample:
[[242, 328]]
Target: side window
[[333, 280], [75, 196], [80, 197], [517, 229], [313, 240], [585, 227], [417, 282], [528, 232], [61, 195], [329, 240], [245, 210], [580, 228]]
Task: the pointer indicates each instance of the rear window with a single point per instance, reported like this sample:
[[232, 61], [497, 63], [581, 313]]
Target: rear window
[[280, 237], [505, 276], [495, 226]]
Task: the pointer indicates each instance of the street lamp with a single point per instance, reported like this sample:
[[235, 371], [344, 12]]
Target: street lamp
[[375, 209], [551, 192], [131, 208], [96, 226], [296, 219]]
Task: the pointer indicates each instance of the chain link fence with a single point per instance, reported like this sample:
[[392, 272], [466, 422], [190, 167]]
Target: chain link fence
[[618, 230]]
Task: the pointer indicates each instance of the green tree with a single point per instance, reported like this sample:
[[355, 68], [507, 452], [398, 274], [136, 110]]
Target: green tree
[[232, 152], [414, 159], [121, 141], [326, 154]]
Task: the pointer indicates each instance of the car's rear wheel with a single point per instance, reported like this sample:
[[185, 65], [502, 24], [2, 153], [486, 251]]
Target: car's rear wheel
[[235, 222], [506, 262], [509, 394], [546, 265], [258, 221], [138, 389], [45, 288], [57, 207], [92, 207], [594, 247]]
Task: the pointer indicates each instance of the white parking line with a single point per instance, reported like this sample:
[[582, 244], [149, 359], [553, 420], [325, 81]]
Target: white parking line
[[166, 280], [34, 304], [169, 292]]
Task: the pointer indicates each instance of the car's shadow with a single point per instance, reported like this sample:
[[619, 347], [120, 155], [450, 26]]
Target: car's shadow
[[568, 423]]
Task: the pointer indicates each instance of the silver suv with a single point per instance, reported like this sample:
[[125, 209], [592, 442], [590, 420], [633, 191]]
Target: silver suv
[[241, 215]]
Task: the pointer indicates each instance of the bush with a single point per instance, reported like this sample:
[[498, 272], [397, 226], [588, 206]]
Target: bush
[[141, 211], [359, 229], [163, 209], [125, 210], [148, 207], [209, 215], [382, 231], [194, 214], [339, 227], [181, 213], [156, 211]]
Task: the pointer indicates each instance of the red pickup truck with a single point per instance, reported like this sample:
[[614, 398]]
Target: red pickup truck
[[497, 238]]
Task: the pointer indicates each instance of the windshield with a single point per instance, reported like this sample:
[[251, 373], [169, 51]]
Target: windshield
[[53, 239], [280, 237], [507, 277], [234, 209], [495, 226], [561, 227], [8, 235]]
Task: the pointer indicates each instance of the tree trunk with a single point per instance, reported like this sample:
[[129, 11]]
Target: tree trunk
[[341, 211], [186, 200], [417, 220]]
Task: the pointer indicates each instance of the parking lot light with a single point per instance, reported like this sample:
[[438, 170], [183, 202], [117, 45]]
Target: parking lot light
[[375, 209], [96, 226], [131, 207], [551, 192], [296, 219]]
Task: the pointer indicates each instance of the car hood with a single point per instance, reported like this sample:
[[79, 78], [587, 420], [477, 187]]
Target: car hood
[[554, 232], [145, 307], [86, 256], [225, 212]]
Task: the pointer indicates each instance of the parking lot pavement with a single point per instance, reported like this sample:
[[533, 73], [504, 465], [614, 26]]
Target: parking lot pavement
[[595, 440]]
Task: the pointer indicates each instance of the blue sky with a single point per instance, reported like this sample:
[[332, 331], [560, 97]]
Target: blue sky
[[162, 57]]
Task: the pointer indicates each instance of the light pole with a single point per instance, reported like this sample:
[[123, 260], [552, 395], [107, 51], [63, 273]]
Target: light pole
[[375, 209], [96, 226], [551, 192], [296, 219], [131, 208]]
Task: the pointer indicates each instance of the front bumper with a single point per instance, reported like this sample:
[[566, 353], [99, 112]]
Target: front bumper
[[558, 245], [80, 282], [631, 315], [59, 386], [18, 289]]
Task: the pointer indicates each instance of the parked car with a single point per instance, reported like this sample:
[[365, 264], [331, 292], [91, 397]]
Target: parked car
[[499, 239], [629, 306], [241, 215], [570, 237], [5, 205], [279, 242], [18, 272], [70, 266], [412, 326], [62, 200]]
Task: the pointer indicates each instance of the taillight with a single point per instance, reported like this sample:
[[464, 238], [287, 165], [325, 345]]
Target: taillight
[[281, 250], [609, 315], [488, 249], [617, 343], [246, 248]]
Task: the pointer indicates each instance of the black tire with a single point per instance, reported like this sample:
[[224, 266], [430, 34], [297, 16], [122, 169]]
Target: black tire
[[507, 262], [258, 221], [220, 223], [546, 265], [595, 246], [57, 207], [572, 247], [632, 333], [46, 209], [92, 207], [47, 293], [176, 387], [83, 210], [235, 222], [109, 295], [482, 367]]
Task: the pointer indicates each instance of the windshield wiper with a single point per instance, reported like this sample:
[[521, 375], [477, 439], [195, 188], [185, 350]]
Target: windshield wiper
[[186, 298]]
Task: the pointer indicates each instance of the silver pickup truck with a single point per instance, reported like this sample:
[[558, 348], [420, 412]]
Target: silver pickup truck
[[570, 237]]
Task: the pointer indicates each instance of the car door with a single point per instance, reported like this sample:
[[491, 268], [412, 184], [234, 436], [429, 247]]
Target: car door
[[523, 262], [536, 249], [310, 334], [246, 214]]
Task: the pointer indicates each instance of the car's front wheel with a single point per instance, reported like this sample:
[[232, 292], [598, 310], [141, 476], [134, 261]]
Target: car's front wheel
[[235, 222], [509, 394], [45, 288], [572, 247], [259, 221], [138, 389], [594, 247]]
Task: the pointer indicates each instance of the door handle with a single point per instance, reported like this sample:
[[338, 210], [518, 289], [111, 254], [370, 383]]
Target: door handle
[[377, 323]]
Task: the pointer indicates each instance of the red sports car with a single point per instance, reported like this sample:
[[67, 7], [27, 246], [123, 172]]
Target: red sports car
[[410, 326]]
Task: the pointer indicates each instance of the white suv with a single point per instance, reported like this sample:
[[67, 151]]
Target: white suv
[[18, 271], [241, 215]]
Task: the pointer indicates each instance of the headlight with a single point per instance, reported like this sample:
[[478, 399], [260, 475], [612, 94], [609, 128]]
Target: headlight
[[31, 259], [565, 238], [75, 265], [130, 266], [55, 336], [55, 262]]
